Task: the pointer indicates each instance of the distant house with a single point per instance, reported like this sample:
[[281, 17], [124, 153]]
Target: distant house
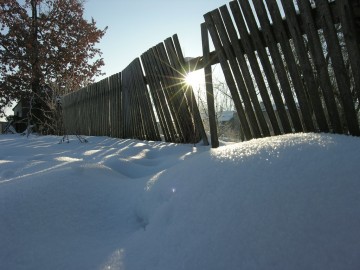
[[229, 125], [21, 111]]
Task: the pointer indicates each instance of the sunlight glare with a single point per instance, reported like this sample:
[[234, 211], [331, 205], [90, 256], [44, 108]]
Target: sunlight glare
[[194, 79]]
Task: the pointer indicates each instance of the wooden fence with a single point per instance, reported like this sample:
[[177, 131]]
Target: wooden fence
[[128, 105], [290, 67]]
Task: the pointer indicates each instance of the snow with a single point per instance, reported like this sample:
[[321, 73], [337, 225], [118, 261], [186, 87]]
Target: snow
[[286, 202]]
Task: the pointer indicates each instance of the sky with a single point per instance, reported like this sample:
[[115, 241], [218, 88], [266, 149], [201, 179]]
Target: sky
[[136, 26], [285, 202]]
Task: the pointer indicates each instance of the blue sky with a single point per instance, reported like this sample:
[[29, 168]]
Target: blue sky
[[137, 25]]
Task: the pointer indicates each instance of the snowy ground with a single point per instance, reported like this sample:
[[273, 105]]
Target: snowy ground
[[288, 202]]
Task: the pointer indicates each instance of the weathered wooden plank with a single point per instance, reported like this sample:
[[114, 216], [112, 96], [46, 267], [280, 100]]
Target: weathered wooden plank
[[107, 103], [308, 73], [164, 93], [196, 121], [78, 113], [139, 129], [114, 105], [111, 106], [209, 87], [199, 63], [98, 109], [283, 39], [83, 121], [126, 103], [152, 132], [227, 73], [119, 106], [86, 119], [249, 50], [101, 112], [103, 108], [190, 95], [316, 52], [177, 80], [176, 96], [350, 37], [238, 76], [265, 62], [239, 52], [278, 64], [106, 107], [112, 99], [155, 97], [158, 96], [118, 109], [171, 97], [93, 108], [342, 77]]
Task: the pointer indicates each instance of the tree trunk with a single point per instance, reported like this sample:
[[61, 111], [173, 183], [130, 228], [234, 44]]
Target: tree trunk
[[36, 115]]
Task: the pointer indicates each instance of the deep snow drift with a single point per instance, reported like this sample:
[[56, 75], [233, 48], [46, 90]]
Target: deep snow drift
[[287, 202]]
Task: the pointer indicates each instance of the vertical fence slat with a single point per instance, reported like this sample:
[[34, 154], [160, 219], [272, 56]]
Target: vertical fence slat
[[177, 78], [320, 64], [239, 52], [190, 96], [308, 73], [209, 87], [149, 121], [237, 73], [266, 65], [172, 97], [158, 96], [227, 73], [249, 50], [155, 96], [278, 64], [175, 93], [283, 40], [347, 24], [337, 61]]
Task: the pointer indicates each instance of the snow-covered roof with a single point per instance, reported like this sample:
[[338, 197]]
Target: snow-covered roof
[[226, 116]]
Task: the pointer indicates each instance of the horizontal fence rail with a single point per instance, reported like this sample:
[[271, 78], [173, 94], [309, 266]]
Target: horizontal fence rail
[[290, 66]]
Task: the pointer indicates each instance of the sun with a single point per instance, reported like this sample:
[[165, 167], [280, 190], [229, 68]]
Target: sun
[[194, 78]]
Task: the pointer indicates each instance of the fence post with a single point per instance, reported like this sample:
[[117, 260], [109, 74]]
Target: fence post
[[209, 87]]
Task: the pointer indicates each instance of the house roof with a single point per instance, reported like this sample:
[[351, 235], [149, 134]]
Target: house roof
[[226, 116]]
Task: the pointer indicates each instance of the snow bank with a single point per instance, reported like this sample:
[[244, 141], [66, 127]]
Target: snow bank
[[287, 202]]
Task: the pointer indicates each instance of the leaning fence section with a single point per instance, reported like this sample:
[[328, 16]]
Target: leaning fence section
[[147, 99], [290, 66]]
